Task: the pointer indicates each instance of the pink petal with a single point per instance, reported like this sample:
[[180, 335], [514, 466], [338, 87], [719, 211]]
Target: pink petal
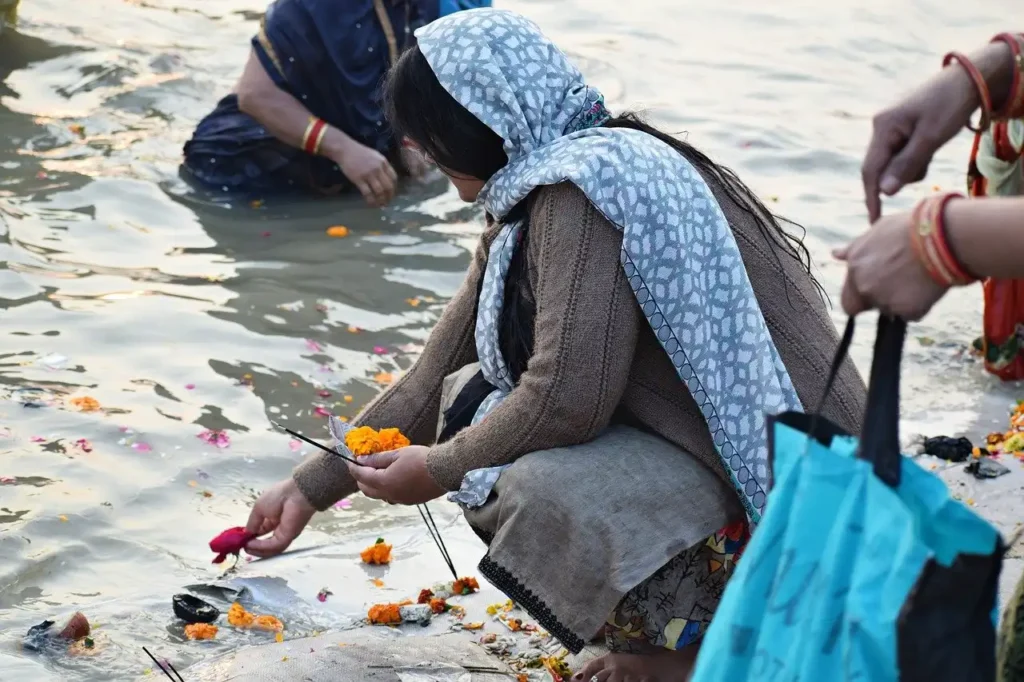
[[142, 447], [294, 445], [343, 504], [37, 439], [189, 387], [6, 479], [322, 411], [314, 346], [324, 394], [218, 439], [380, 350]]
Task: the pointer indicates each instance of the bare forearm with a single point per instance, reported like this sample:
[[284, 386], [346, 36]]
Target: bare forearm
[[987, 235], [284, 116], [995, 61]]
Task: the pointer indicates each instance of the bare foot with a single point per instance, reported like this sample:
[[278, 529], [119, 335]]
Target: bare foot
[[659, 666]]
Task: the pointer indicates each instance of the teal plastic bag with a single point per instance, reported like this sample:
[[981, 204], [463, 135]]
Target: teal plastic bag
[[863, 566]]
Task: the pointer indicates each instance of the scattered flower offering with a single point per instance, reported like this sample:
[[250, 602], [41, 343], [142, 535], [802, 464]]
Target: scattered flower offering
[[384, 378], [386, 614], [197, 631], [83, 445], [217, 439], [85, 403], [337, 231], [364, 440], [378, 554], [231, 541], [323, 594], [240, 618]]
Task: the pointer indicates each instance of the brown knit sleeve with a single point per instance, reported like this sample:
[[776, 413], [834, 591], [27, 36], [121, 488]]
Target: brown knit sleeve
[[412, 403], [587, 325]]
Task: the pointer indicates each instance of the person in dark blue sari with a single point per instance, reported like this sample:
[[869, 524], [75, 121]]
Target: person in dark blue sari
[[305, 116]]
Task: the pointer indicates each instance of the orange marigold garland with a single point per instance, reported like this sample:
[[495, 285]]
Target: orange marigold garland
[[240, 618], [378, 553]]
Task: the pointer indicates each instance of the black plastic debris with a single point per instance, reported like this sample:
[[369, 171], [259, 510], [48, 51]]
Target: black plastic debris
[[193, 609], [986, 467], [38, 636], [949, 449]]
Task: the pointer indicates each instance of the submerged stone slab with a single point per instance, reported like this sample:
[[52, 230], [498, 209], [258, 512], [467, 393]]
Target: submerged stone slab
[[356, 655]]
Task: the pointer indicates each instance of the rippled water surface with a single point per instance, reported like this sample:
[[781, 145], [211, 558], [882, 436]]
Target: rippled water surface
[[178, 315]]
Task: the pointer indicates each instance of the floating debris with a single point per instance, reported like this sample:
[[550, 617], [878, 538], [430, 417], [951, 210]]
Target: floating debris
[[192, 609], [384, 378], [323, 594], [337, 231], [85, 403], [83, 445], [240, 618]]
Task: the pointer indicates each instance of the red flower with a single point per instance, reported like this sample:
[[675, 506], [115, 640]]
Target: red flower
[[231, 541]]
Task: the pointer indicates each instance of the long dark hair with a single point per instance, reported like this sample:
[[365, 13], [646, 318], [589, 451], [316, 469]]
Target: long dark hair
[[418, 107]]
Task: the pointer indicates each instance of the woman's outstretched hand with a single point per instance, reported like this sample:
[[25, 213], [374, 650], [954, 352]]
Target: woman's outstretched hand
[[397, 477], [883, 272], [283, 510], [906, 136]]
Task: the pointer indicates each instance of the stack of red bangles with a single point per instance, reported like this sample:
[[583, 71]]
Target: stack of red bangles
[[1013, 107], [314, 135], [928, 237]]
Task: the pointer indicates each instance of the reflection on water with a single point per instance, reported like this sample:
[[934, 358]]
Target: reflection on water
[[179, 314]]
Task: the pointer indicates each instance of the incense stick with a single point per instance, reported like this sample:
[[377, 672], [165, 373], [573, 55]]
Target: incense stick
[[428, 518], [315, 444], [163, 669]]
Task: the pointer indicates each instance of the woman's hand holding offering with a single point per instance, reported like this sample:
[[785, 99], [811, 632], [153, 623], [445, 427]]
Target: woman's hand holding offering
[[397, 477], [283, 510]]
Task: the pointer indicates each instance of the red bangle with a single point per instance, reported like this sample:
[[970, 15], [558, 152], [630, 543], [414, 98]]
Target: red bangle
[[314, 135], [1013, 107], [928, 237], [979, 84]]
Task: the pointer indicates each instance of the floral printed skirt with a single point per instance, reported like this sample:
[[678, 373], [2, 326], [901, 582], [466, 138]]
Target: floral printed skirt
[[674, 607]]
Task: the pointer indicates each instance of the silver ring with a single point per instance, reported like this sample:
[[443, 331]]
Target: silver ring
[[594, 679]]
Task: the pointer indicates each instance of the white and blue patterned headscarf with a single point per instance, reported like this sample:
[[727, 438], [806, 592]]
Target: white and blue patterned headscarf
[[678, 250]]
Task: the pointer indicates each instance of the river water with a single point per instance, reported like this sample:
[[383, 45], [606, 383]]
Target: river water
[[179, 316]]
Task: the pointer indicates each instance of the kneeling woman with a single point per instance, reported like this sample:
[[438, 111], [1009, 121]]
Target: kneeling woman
[[602, 376]]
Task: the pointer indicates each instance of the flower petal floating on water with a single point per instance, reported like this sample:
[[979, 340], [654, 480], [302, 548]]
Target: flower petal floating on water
[[63, 518], [348, 399], [216, 438], [189, 387], [85, 403], [83, 445], [294, 445], [314, 346], [380, 350], [384, 378], [142, 447], [343, 504], [321, 411], [7, 480], [337, 231], [352, 329], [37, 439], [323, 594]]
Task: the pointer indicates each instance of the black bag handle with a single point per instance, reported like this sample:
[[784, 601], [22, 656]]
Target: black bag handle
[[880, 440]]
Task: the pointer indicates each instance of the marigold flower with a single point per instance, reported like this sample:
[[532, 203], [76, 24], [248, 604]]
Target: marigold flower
[[85, 403], [200, 631], [378, 553], [391, 439], [438, 605], [384, 614], [239, 617], [268, 623], [363, 440], [425, 597]]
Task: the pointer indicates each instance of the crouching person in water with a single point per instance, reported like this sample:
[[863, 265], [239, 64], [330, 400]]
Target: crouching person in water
[[602, 376]]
